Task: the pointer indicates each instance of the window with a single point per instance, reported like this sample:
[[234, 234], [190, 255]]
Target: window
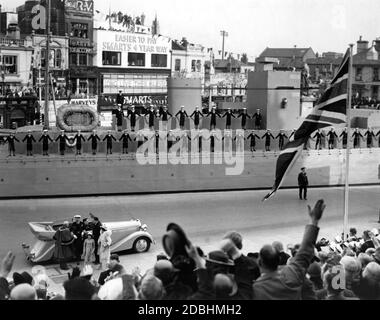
[[58, 58], [192, 65], [73, 58], [199, 66], [375, 74], [159, 60], [136, 59], [111, 58], [177, 65], [79, 30], [358, 73], [82, 59], [43, 58], [10, 64]]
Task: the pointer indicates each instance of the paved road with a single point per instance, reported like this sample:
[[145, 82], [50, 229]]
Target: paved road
[[204, 216]]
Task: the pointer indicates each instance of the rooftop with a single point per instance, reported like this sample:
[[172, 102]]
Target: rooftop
[[284, 52]]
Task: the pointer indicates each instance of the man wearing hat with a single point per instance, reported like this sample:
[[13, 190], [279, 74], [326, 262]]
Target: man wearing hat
[[77, 228], [11, 143], [258, 118], [253, 137], [64, 239], [113, 267], [94, 141], [109, 137], [213, 115], [62, 142], [195, 115], [79, 138], [132, 117], [182, 115], [244, 116], [45, 143], [151, 116], [125, 137], [229, 115], [29, 143], [303, 183], [281, 136], [267, 135]]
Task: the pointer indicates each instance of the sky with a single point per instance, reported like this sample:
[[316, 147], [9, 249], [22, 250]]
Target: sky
[[253, 25]]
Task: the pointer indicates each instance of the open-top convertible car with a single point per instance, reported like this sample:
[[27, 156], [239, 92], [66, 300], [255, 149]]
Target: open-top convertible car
[[126, 235]]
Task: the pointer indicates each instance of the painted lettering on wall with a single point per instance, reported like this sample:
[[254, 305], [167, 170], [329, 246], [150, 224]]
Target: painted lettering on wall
[[136, 43]]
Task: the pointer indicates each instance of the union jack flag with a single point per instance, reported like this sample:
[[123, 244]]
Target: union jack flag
[[330, 110]]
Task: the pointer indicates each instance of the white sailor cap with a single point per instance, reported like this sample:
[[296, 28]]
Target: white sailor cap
[[77, 216]]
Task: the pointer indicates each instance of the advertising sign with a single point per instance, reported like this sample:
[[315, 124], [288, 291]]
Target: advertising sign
[[80, 5]]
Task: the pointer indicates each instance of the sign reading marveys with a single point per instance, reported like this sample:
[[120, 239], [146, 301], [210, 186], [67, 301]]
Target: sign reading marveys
[[80, 5]]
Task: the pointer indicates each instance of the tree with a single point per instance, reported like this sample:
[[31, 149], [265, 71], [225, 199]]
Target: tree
[[244, 58]]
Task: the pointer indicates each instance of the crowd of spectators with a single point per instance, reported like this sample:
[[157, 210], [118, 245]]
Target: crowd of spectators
[[349, 269], [365, 103]]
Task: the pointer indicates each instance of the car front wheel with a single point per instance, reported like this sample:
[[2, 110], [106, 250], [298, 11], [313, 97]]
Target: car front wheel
[[141, 244]]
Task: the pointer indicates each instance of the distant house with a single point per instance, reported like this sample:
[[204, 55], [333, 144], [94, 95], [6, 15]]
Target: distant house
[[289, 58], [366, 66], [323, 68], [228, 65]]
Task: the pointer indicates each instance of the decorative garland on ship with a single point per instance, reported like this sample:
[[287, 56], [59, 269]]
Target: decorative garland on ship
[[72, 118]]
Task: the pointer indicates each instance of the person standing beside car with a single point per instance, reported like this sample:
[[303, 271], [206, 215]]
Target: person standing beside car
[[77, 228], [64, 239]]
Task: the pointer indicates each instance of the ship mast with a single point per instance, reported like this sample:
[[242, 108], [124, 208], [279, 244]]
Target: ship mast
[[47, 65]]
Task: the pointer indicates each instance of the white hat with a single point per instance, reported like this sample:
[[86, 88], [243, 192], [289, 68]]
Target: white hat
[[78, 216]]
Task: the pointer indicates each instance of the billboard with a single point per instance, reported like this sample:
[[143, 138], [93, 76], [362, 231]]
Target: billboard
[[80, 5]]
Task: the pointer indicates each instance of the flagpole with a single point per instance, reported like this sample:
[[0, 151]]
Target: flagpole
[[348, 114]]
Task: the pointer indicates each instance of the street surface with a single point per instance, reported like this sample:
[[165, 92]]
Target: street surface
[[205, 218]]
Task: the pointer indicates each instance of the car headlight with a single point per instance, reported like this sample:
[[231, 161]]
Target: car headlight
[[144, 227]]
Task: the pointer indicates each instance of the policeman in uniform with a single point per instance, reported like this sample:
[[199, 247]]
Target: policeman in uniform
[[303, 183]]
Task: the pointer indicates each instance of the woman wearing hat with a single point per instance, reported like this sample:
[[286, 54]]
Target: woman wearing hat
[[88, 249], [104, 247]]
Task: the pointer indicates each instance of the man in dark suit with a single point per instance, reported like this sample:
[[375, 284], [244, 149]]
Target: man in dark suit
[[62, 142], [119, 118], [303, 182]]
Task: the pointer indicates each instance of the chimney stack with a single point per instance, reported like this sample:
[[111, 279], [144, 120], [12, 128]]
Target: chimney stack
[[362, 45]]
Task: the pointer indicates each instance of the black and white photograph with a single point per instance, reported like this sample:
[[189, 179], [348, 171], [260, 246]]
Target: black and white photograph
[[174, 150]]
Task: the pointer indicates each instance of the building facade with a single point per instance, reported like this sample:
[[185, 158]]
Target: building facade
[[137, 64], [82, 75], [188, 60], [366, 67]]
